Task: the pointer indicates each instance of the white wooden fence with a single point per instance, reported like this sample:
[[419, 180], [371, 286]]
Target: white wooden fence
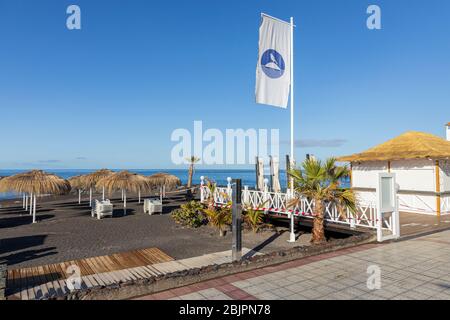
[[271, 202]]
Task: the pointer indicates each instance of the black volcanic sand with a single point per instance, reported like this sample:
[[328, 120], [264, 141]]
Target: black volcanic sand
[[66, 231]]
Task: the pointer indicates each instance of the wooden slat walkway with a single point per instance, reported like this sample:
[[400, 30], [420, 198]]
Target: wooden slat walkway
[[416, 223], [43, 282], [52, 284]]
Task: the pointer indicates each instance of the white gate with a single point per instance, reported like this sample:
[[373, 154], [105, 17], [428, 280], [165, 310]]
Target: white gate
[[388, 207]]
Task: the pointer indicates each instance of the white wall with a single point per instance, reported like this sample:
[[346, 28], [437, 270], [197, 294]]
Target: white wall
[[415, 175], [411, 175], [417, 203], [445, 205], [366, 197], [406, 202], [365, 175]]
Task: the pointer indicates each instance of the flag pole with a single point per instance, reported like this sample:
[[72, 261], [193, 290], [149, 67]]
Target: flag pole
[[292, 232], [292, 93]]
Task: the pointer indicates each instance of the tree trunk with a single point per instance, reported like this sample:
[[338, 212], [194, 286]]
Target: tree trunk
[[191, 173], [221, 232], [318, 231]]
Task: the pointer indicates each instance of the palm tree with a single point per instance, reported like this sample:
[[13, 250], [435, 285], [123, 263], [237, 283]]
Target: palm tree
[[192, 161], [254, 218], [321, 182], [219, 218], [212, 187]]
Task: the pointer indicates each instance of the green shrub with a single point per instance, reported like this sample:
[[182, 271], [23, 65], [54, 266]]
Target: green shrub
[[190, 214]]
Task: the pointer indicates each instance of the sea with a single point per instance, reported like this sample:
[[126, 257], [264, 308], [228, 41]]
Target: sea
[[218, 175]]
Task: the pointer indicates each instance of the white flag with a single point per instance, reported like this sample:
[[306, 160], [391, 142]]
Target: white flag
[[274, 63]]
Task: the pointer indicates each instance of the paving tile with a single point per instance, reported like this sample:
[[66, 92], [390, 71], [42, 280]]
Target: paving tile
[[164, 295], [243, 284], [368, 296], [352, 291], [337, 285], [312, 294], [253, 290], [410, 270], [440, 296], [220, 297], [426, 290], [304, 285], [282, 292], [182, 291], [325, 290], [386, 293], [297, 296], [208, 293], [192, 296], [338, 296], [267, 296], [238, 294], [227, 288]]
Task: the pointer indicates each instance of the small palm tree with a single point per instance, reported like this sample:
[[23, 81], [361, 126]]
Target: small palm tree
[[212, 187], [254, 218], [192, 161], [219, 218], [321, 182]]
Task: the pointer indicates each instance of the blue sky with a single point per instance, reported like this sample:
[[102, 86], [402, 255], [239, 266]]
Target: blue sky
[[111, 94]]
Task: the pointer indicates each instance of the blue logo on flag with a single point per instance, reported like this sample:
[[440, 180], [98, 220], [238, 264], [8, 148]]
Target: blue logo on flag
[[272, 63]]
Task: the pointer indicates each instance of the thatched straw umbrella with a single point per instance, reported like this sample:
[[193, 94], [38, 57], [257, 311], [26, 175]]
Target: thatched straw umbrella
[[77, 182], [164, 180], [125, 181], [90, 181], [36, 182], [5, 186]]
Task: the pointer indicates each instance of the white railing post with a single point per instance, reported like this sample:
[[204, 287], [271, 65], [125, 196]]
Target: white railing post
[[288, 197], [395, 224], [352, 218], [292, 232], [229, 190], [291, 215], [379, 224], [266, 195], [202, 192], [246, 196]]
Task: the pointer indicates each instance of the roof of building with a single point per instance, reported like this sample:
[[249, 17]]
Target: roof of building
[[409, 145]]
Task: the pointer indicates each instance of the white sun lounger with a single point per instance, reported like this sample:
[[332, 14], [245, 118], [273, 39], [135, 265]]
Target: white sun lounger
[[102, 209], [152, 206]]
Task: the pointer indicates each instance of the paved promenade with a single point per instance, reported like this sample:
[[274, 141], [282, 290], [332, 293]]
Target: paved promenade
[[412, 269]]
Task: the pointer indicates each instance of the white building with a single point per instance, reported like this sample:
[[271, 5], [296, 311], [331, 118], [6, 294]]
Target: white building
[[421, 162]]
